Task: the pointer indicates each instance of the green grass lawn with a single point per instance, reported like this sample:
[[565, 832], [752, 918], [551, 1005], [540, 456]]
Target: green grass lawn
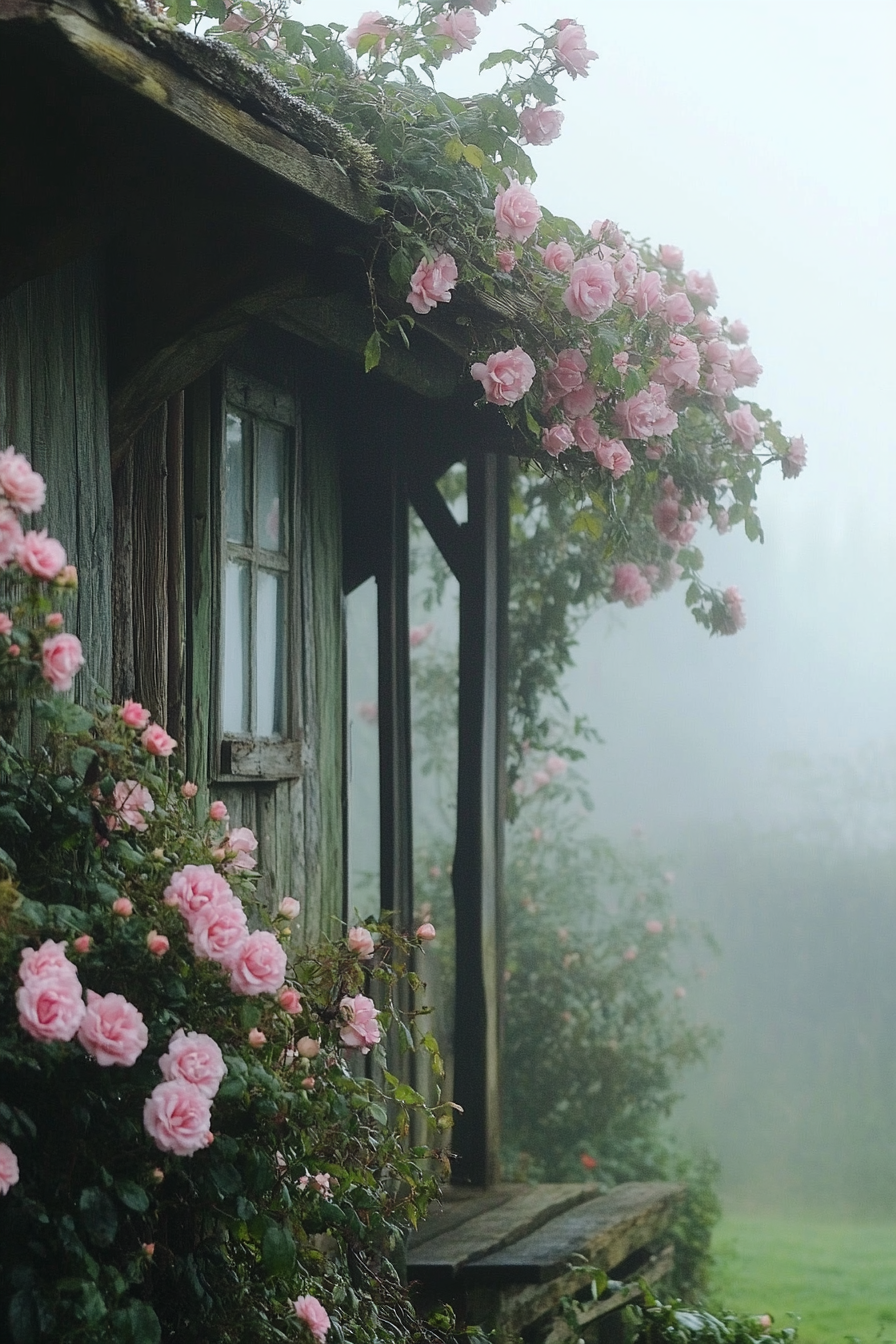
[[840, 1278]]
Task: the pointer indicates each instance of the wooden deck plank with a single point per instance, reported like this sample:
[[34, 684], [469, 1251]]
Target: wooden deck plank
[[458, 1205], [590, 1310]]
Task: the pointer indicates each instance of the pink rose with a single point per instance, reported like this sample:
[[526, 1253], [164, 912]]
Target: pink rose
[[738, 332], [516, 212], [557, 439], [55, 620], [669, 521], [706, 325], [67, 577], [307, 1047], [432, 283], [539, 125], [370, 24], [196, 1059], [312, 1314], [506, 260], [654, 926], [592, 288], [580, 402], [629, 586], [587, 434], [128, 803], [682, 367], [626, 269], [157, 943], [61, 659], [461, 27], [133, 715], [290, 1001], [82, 943], [23, 487], [794, 459], [673, 257], [745, 367], [122, 906], [605, 231], [734, 605], [703, 287], [40, 556], [47, 962], [11, 536], [242, 844], [9, 1169], [260, 966], [360, 1028], [176, 1117], [426, 933], [613, 454], [677, 309], [289, 907], [680, 992], [630, 954], [506, 376], [218, 811], [218, 931], [112, 1030], [188, 789], [156, 741], [558, 257], [647, 293], [360, 942], [257, 1038], [566, 375], [5, 623], [620, 361], [419, 634], [572, 51], [722, 522], [744, 428], [50, 1007], [646, 414], [195, 886]]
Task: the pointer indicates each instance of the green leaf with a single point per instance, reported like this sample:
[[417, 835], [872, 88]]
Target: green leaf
[[408, 1096], [143, 1324], [366, 44], [692, 595], [372, 351], [98, 1216], [9, 863], [474, 156], [454, 150], [752, 527], [401, 268], [379, 1113], [21, 1317], [278, 1252], [506, 57], [132, 1195], [81, 760]]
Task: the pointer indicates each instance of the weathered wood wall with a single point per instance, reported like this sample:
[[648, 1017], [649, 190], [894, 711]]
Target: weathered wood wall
[[54, 409]]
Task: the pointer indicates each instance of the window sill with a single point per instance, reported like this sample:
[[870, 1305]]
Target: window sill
[[262, 759]]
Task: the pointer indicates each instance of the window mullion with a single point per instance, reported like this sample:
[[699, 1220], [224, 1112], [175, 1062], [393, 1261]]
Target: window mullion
[[253, 576]]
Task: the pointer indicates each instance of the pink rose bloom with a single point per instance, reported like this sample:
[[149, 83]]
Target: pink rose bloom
[[539, 125], [218, 811], [744, 428], [419, 634], [629, 954], [745, 367], [370, 24], [426, 933], [613, 454], [129, 802], [195, 886], [794, 460], [55, 620], [629, 586], [5, 623], [506, 260], [671, 525], [605, 231], [260, 966], [557, 439], [592, 288], [156, 741], [738, 332], [654, 926], [620, 361], [50, 1007], [122, 906], [82, 943], [558, 257], [23, 487], [242, 844], [461, 27], [257, 1038], [587, 434], [432, 283], [722, 522], [360, 1028], [289, 907], [195, 1059], [112, 1030], [218, 931], [176, 1117], [307, 1047], [647, 294], [706, 325], [681, 992], [11, 536], [311, 1313], [572, 50], [188, 789], [646, 414], [516, 212], [40, 556], [580, 402], [133, 715], [67, 577], [506, 376], [9, 1169], [703, 287], [673, 257], [61, 659], [157, 943], [360, 942], [682, 367], [626, 270], [735, 608], [290, 1001], [677, 309], [555, 765], [47, 962], [566, 375]]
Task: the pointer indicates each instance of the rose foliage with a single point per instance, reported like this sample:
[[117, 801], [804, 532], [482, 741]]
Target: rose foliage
[[606, 354]]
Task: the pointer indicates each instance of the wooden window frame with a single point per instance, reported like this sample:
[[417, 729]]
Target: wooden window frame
[[240, 757]]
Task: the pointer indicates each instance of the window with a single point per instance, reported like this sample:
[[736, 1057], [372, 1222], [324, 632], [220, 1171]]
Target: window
[[258, 700]]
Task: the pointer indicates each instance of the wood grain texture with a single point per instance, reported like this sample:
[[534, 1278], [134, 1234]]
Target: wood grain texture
[[653, 1272], [150, 564]]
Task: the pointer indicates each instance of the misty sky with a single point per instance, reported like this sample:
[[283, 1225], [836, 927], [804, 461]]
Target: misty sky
[[759, 136]]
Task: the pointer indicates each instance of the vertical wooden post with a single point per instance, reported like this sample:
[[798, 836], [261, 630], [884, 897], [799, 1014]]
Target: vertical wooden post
[[481, 790]]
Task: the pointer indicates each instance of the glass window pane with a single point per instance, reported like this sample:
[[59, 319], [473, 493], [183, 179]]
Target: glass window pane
[[235, 696], [236, 479], [271, 527], [269, 631]]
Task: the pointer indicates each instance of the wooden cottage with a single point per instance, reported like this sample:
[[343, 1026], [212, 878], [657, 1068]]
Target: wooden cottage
[[183, 313]]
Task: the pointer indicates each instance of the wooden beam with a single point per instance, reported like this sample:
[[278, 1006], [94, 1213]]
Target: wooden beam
[[441, 524], [477, 875]]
